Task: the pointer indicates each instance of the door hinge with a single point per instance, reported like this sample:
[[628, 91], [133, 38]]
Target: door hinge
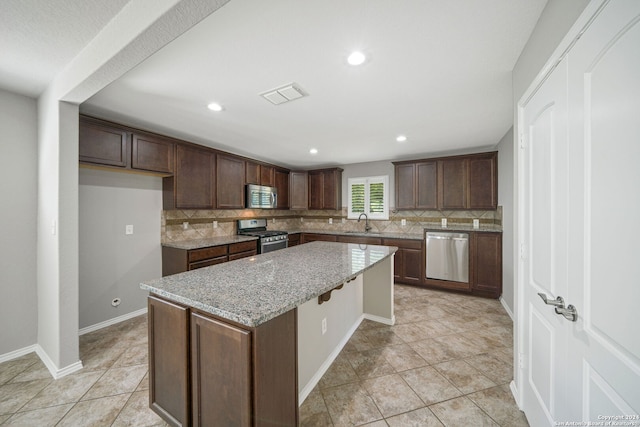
[[522, 361], [523, 251], [522, 140]]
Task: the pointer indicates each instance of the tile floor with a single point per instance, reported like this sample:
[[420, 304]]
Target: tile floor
[[446, 362]]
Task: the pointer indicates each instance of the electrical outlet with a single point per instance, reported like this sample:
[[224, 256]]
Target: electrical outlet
[[273, 220], [476, 223], [344, 220], [324, 326], [330, 220], [444, 222], [185, 225], [403, 222], [215, 224], [128, 229]]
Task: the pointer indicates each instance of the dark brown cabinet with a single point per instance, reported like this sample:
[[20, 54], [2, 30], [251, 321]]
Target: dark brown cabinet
[[313, 237], [487, 264], [267, 175], [360, 240], [408, 261], [103, 143], [325, 189], [416, 185], [193, 184], [208, 371], [152, 153], [230, 177], [294, 239], [176, 260], [169, 361], [252, 173], [458, 182], [298, 190], [281, 182]]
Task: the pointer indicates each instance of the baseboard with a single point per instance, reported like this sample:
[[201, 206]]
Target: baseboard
[[506, 308], [55, 372], [306, 390], [113, 321], [516, 395], [380, 319], [17, 353]]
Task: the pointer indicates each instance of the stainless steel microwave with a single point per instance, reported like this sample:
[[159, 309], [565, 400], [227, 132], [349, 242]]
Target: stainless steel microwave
[[261, 197]]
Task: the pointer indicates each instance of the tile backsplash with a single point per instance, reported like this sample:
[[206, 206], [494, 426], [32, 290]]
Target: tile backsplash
[[180, 225]]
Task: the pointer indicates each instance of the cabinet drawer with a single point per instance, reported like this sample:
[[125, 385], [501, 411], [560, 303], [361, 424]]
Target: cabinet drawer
[[246, 254], [207, 262], [235, 248], [402, 243], [204, 253]]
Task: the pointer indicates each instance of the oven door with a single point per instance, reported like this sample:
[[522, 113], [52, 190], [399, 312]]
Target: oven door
[[273, 246]]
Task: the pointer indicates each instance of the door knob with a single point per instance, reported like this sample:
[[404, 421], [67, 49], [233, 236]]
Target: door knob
[[569, 313]]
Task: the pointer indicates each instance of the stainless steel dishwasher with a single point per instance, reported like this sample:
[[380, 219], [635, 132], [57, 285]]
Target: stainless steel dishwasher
[[448, 256]]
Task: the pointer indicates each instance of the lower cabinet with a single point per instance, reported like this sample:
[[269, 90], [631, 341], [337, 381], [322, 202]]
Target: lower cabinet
[[294, 239], [175, 260], [312, 237], [486, 251], [409, 260], [206, 371]]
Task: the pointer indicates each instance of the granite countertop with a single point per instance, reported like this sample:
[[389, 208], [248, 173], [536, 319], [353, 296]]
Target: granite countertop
[[211, 241], [254, 290]]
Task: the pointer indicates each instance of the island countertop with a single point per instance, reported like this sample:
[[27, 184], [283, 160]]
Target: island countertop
[[251, 291]]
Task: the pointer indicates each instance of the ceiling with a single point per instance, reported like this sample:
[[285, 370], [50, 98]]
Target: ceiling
[[437, 71]]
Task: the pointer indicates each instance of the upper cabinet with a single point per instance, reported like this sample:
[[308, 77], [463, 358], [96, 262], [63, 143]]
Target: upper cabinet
[[108, 144], [458, 182], [230, 177], [281, 182], [298, 190], [193, 184], [260, 174], [325, 189]]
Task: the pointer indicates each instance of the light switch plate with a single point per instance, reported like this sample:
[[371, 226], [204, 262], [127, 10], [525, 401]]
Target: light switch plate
[[476, 223], [128, 229], [444, 222], [403, 222]]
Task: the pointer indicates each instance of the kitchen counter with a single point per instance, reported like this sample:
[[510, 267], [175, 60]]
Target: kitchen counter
[[252, 291], [211, 241]]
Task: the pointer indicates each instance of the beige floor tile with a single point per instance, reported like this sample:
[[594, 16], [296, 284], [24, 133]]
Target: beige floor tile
[[136, 413], [37, 371], [465, 377], [392, 395], [459, 346], [409, 332], [461, 412], [95, 413], [431, 386], [340, 372], [67, 389], [422, 417], [45, 417], [5, 417], [370, 363], [380, 337], [495, 369], [350, 404], [358, 342], [403, 357], [379, 423], [313, 411], [144, 383], [136, 355], [10, 369], [117, 381], [14, 396], [433, 351], [499, 404]]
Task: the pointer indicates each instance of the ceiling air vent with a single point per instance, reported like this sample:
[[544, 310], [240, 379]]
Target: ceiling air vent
[[284, 94]]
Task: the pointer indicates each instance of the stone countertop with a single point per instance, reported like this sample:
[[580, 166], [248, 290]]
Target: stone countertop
[[254, 290], [211, 241], [409, 236]]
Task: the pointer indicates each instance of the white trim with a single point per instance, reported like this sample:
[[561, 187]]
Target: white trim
[[306, 390], [113, 321], [380, 319], [53, 369], [506, 308], [516, 396], [17, 353]]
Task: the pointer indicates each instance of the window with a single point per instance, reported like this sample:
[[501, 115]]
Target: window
[[369, 195]]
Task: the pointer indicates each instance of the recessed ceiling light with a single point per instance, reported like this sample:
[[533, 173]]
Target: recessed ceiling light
[[401, 138], [356, 58], [313, 151], [214, 106]]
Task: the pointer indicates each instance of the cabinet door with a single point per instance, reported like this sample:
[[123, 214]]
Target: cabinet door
[[267, 175], [252, 173], [194, 178], [405, 176], [298, 190], [230, 178], [151, 153], [426, 185], [332, 188], [487, 260], [312, 237], [316, 193], [221, 373], [102, 144], [412, 266], [169, 361], [452, 183], [483, 182], [282, 184]]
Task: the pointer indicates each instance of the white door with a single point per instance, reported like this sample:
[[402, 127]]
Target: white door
[[587, 370]]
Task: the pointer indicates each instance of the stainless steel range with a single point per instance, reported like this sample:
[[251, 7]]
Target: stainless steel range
[[269, 240]]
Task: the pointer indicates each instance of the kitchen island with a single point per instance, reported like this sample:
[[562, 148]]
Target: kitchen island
[[242, 343]]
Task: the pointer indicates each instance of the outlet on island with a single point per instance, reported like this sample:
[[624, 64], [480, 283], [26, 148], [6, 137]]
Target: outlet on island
[[324, 326]]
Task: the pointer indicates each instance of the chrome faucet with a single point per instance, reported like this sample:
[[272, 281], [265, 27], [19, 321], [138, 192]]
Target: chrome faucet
[[367, 227]]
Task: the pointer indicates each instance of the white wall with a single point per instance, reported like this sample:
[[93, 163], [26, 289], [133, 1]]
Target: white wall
[[112, 264], [18, 192], [505, 199]]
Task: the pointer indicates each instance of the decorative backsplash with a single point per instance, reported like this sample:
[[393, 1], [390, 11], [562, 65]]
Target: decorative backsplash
[[180, 225]]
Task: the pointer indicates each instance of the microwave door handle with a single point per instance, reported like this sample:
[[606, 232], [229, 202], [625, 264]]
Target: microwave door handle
[[274, 199]]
